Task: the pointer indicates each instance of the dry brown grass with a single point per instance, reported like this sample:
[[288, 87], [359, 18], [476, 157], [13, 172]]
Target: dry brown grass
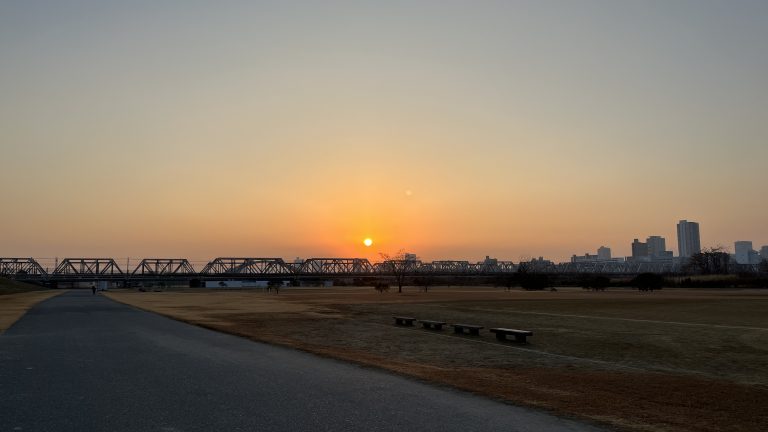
[[14, 306], [676, 360]]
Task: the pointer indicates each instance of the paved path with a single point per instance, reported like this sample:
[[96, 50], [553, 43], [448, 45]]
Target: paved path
[[79, 362]]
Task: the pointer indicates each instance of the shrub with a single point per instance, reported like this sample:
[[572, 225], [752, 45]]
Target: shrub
[[534, 281], [594, 282], [648, 281], [507, 280]]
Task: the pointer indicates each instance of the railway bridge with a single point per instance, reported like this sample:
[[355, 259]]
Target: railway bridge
[[179, 270]]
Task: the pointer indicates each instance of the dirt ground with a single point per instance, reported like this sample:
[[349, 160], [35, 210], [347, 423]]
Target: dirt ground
[[14, 306], [672, 360]]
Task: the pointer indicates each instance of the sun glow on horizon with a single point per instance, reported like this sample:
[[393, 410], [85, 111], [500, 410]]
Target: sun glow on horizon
[[238, 146]]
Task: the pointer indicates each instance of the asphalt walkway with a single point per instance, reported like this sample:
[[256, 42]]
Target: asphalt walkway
[[79, 362]]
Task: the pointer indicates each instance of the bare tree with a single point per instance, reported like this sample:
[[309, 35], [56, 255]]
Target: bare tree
[[525, 264], [399, 266], [274, 285], [714, 260], [507, 280], [425, 281], [381, 287], [763, 266], [530, 278]]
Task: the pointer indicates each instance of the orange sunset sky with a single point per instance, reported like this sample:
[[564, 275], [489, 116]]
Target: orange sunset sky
[[449, 129]]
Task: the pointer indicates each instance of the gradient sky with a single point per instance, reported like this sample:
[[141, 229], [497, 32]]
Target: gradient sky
[[452, 129]]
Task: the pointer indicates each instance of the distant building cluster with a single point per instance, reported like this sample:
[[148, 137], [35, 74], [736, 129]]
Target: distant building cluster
[[744, 254], [603, 255], [654, 249]]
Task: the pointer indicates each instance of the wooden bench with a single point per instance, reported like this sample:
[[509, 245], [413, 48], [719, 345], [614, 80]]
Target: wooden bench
[[432, 325], [520, 335], [473, 329], [404, 321]]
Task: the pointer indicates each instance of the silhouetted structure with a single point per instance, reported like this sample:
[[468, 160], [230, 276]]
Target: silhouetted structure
[[710, 261], [688, 239], [657, 248], [603, 253], [639, 250], [744, 254]]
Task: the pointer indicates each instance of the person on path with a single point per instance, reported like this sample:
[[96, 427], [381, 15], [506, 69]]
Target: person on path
[[93, 289]]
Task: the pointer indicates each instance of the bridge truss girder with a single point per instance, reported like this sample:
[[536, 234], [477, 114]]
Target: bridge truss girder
[[618, 267], [446, 267], [336, 266], [395, 267], [88, 267], [246, 266], [21, 267], [486, 268], [163, 266]]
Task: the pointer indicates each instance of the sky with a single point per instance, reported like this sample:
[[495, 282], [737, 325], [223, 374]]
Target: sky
[[449, 129]]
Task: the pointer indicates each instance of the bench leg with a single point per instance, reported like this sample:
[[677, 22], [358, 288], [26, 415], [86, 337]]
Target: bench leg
[[457, 330], [475, 332], [501, 336], [520, 339]]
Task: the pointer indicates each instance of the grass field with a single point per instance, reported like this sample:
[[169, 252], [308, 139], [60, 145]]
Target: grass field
[[8, 286], [16, 298], [677, 360]]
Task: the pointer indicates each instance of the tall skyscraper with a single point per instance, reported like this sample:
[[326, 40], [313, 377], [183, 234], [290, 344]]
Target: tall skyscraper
[[764, 252], [688, 240], [656, 246]]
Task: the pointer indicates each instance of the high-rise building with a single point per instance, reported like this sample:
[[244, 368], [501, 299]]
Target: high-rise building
[[764, 252], [657, 246], [688, 240], [604, 253], [639, 249], [745, 254]]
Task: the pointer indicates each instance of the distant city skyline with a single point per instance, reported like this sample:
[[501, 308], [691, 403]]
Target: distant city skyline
[[653, 249], [453, 130], [689, 243]]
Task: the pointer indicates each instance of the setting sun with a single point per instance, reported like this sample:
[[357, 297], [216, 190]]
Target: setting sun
[[367, 242]]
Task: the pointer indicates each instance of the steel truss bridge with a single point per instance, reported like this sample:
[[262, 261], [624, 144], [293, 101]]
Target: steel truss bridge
[[244, 268]]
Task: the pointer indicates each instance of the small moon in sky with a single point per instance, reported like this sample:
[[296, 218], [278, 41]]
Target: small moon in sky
[[408, 192], [367, 242]]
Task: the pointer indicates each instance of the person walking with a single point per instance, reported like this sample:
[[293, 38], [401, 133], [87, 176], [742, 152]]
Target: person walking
[[93, 289]]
